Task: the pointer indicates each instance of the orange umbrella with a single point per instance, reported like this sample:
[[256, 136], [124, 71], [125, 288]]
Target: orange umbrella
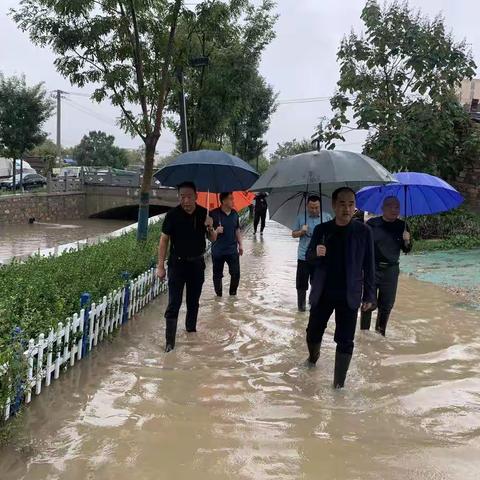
[[210, 201]]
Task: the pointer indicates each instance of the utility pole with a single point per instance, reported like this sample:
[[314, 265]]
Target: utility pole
[[59, 125]]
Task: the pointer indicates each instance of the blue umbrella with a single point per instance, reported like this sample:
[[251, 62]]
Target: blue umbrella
[[418, 193], [211, 170]]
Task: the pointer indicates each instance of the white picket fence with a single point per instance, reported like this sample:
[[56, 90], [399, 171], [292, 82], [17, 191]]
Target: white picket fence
[[51, 354]]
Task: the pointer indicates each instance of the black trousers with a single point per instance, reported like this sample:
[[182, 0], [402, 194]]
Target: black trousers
[[259, 216], [386, 279], [304, 274], [181, 274], [233, 262], [345, 323]]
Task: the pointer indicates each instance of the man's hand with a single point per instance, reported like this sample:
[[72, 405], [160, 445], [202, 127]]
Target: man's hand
[[406, 237], [161, 272], [240, 250], [219, 230], [321, 250], [209, 221], [304, 230], [367, 306]]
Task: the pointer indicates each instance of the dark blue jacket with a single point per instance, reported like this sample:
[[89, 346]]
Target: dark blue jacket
[[359, 263]]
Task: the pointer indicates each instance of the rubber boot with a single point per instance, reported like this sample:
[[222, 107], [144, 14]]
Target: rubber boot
[[313, 353], [234, 281], [382, 320], [342, 362], [302, 300], [217, 285], [170, 334], [365, 320]]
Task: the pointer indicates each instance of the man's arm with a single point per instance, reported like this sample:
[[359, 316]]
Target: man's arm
[[162, 254], [369, 293], [312, 254], [298, 231], [407, 240]]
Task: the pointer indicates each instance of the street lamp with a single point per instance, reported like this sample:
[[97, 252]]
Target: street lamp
[[198, 62]]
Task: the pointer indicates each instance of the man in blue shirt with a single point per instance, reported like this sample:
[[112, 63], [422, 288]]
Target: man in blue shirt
[[303, 229], [228, 244]]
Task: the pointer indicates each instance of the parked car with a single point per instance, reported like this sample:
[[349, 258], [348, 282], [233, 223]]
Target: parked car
[[30, 181]]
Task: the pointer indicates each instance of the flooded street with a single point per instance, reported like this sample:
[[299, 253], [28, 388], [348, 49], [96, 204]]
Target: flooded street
[[21, 240], [235, 402]]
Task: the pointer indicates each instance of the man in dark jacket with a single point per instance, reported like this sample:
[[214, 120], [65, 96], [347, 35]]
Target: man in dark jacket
[[344, 278], [390, 236]]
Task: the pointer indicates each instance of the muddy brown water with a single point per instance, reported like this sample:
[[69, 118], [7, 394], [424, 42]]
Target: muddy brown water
[[25, 239], [234, 401]]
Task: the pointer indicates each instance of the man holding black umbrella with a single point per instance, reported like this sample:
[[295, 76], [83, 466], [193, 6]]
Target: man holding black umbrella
[[185, 229], [342, 253]]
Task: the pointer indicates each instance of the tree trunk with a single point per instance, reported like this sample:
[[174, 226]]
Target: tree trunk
[[145, 188]]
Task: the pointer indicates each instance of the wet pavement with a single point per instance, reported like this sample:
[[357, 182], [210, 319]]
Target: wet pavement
[[234, 401]]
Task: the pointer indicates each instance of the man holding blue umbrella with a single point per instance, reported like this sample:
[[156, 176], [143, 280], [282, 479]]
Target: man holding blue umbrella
[[390, 236]]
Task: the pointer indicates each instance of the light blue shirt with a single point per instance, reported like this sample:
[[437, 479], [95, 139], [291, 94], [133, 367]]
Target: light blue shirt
[[312, 222]]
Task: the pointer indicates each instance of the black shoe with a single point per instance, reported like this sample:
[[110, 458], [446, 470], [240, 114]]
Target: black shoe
[[233, 294], [314, 353], [365, 320], [342, 362], [302, 300], [168, 348], [191, 330]]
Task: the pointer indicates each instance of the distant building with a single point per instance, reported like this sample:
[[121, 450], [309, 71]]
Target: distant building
[[469, 96]]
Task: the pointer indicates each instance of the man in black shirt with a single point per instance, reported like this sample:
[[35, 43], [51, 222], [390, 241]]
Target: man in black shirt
[[390, 235], [185, 228], [344, 278]]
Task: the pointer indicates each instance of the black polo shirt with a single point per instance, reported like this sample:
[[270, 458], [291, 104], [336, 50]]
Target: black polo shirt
[[187, 232]]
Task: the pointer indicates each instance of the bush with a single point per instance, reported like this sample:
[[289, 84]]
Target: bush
[[42, 291], [459, 222]]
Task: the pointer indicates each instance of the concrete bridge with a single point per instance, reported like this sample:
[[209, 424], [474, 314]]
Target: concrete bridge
[[113, 194]]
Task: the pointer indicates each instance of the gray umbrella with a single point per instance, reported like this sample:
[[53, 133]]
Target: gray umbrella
[[284, 206], [330, 168], [325, 171]]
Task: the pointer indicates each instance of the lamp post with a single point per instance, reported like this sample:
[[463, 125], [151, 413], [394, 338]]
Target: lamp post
[[198, 62]]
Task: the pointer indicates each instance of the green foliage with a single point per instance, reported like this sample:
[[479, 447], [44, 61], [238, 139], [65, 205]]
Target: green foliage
[[398, 80], [293, 147], [228, 101], [458, 229], [98, 149], [23, 113]]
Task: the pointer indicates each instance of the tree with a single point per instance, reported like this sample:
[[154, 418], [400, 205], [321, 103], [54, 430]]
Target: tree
[[223, 96], [48, 151], [23, 113], [397, 77], [293, 147], [98, 149], [125, 49]]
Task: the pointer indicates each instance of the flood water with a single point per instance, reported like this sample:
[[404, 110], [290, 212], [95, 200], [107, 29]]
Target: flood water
[[235, 402], [22, 240]]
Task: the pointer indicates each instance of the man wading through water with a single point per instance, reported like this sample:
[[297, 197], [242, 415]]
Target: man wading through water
[[343, 257], [185, 229], [228, 246], [303, 229], [390, 236]]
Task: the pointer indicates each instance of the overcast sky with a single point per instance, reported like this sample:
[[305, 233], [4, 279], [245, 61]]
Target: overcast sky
[[300, 64]]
